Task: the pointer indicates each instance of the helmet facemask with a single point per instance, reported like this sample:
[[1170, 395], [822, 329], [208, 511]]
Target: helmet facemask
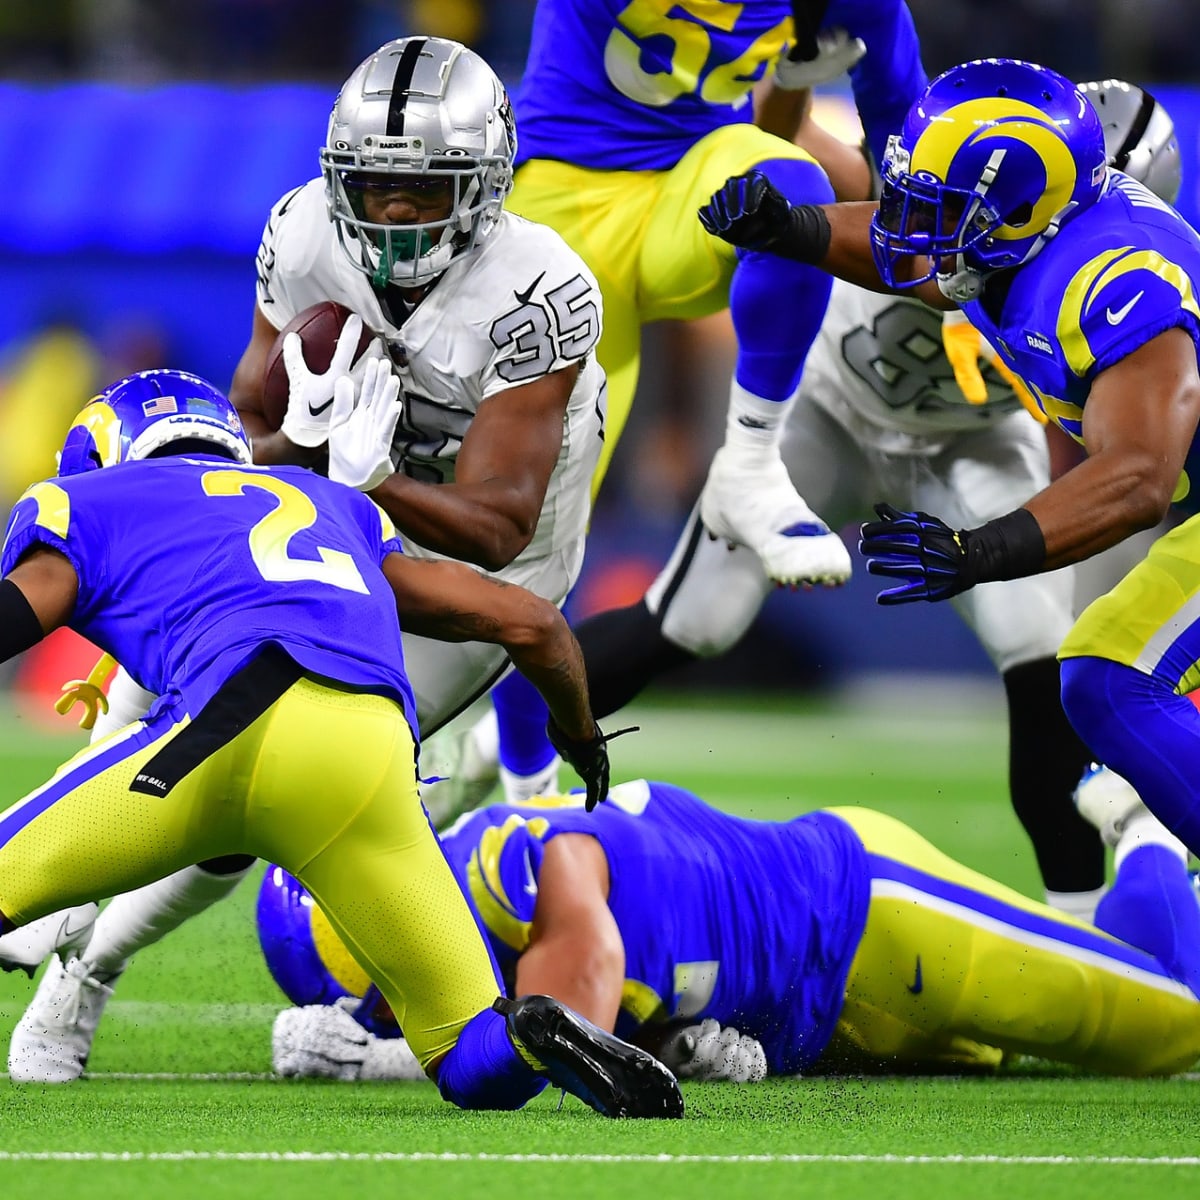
[[994, 158], [419, 114]]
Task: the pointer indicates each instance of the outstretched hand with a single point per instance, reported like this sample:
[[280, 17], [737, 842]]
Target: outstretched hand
[[922, 551]]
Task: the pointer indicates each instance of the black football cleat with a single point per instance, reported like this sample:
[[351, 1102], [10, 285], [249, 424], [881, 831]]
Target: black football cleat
[[613, 1077]]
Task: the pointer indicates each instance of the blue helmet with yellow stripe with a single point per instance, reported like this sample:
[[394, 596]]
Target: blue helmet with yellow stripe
[[303, 953], [141, 414], [994, 158], [308, 960]]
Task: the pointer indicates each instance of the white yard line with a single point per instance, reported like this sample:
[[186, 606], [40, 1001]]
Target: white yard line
[[292, 1156]]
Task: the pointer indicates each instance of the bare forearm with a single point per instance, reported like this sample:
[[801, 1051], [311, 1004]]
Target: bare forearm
[[1095, 505], [569, 971], [554, 665], [474, 523]]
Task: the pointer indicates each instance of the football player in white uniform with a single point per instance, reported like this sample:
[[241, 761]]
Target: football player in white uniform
[[881, 415], [489, 321]]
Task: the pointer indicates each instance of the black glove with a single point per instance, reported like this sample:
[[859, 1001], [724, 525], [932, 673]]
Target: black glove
[[747, 211], [921, 550], [588, 759]]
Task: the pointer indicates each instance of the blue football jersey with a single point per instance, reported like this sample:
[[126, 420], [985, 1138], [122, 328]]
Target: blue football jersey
[[187, 566], [1118, 275], [750, 922], [629, 85]]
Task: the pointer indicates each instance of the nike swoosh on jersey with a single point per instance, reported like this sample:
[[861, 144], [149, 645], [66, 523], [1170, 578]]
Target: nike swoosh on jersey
[[1115, 318], [320, 408], [523, 297]]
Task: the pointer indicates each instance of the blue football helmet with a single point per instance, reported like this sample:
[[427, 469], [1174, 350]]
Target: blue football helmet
[[140, 414], [308, 960], [304, 955], [994, 158]]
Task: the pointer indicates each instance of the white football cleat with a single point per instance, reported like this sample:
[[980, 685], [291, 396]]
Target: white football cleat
[[67, 931], [466, 775], [1107, 801], [520, 788], [53, 1038], [754, 504]]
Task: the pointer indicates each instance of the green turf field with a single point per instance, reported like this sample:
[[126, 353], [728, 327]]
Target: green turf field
[[180, 1104]]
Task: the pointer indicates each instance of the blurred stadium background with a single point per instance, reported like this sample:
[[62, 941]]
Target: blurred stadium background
[[143, 144]]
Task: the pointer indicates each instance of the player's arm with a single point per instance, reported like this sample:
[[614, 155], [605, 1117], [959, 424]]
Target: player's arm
[[789, 115], [453, 603], [488, 515], [36, 597], [246, 395], [575, 951], [1138, 424], [748, 211]]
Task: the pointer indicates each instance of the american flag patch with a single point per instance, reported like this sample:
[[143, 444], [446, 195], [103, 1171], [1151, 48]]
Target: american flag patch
[[160, 405]]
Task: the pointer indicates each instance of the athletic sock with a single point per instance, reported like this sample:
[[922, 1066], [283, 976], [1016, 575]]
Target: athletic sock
[[1153, 906], [521, 715], [137, 919], [484, 1069], [1077, 904]]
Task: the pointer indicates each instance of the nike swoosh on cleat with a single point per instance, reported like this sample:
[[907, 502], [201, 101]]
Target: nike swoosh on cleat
[[1115, 318], [805, 529], [917, 985], [65, 931], [320, 408]]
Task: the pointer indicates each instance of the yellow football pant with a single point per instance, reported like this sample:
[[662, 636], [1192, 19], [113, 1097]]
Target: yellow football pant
[[639, 234], [323, 783], [955, 969]]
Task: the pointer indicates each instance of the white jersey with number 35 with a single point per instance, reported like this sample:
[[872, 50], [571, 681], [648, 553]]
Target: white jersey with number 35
[[519, 306]]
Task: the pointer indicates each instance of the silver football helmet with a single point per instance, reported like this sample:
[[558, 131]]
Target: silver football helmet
[[1139, 135], [419, 109]]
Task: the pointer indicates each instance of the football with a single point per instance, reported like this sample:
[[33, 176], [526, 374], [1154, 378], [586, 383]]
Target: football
[[319, 328]]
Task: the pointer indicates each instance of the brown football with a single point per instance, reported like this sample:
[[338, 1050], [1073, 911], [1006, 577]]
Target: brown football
[[319, 328]]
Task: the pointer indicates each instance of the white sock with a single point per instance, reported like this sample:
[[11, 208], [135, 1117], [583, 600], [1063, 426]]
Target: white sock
[[390, 1059], [127, 701], [1077, 904], [519, 788], [1145, 829], [485, 733], [753, 425], [140, 918]]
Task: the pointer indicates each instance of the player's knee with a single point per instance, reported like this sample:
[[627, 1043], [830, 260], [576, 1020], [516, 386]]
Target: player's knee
[[800, 180]]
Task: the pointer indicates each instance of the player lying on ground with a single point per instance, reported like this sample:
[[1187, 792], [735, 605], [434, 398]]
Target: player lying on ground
[[261, 607], [997, 199], [737, 948]]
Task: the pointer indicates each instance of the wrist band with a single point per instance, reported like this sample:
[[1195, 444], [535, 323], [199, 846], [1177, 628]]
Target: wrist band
[[807, 236], [1010, 547]]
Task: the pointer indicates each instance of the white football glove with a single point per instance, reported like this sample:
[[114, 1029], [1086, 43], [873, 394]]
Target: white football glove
[[319, 1041], [323, 1041], [360, 435], [837, 52], [310, 396], [707, 1053]]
